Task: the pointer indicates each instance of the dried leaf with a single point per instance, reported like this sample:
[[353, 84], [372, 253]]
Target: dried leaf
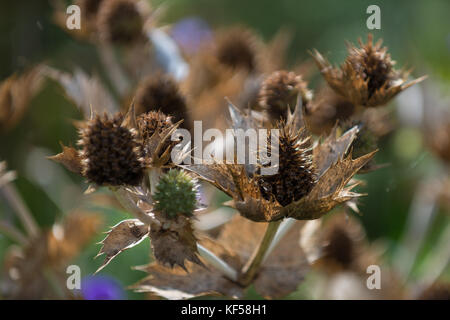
[[173, 241], [332, 149], [194, 281], [70, 158], [330, 190], [124, 235]]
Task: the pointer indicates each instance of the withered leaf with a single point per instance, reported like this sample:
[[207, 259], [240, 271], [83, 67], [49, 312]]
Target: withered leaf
[[193, 281], [70, 158], [173, 241], [124, 235]]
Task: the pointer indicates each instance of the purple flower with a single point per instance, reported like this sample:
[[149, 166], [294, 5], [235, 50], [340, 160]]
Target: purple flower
[[191, 33], [101, 288]]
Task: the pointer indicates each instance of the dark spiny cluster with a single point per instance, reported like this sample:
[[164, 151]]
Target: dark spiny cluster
[[279, 91], [161, 92], [372, 64], [151, 122], [295, 177], [236, 49], [119, 21], [340, 247], [110, 154]]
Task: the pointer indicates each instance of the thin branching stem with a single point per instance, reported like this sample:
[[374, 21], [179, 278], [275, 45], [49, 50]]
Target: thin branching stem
[[12, 233], [218, 263], [24, 214]]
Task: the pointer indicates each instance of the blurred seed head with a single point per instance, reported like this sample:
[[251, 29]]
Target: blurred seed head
[[119, 21], [237, 48], [110, 153], [279, 91], [161, 92]]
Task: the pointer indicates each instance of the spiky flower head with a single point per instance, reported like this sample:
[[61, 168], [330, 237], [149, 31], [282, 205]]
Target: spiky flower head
[[295, 177], [237, 49], [151, 122], [161, 92], [119, 21], [110, 154], [279, 91], [367, 77], [176, 193]]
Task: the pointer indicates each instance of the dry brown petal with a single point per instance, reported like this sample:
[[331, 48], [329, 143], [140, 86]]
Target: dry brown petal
[[69, 158], [330, 190], [332, 149], [173, 241], [194, 280], [124, 235]]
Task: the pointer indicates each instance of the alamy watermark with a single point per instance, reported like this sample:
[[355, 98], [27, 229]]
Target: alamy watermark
[[235, 146]]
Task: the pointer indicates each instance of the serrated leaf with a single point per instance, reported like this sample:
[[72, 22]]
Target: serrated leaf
[[193, 281], [124, 235], [173, 241]]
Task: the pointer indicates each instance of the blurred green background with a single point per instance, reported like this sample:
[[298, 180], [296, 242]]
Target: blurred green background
[[416, 32]]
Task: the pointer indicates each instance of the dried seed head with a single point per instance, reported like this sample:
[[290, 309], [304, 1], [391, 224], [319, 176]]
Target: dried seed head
[[110, 153], [295, 177], [176, 194], [279, 91], [439, 140], [236, 48], [340, 247], [89, 9], [367, 77], [119, 21], [151, 122], [161, 92]]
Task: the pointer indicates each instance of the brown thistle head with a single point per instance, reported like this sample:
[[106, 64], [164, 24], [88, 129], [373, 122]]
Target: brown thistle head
[[89, 10], [161, 92], [367, 77], [296, 175], [110, 153], [150, 123], [237, 49], [119, 21], [279, 91]]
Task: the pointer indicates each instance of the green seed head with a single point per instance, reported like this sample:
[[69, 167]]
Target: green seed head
[[176, 194]]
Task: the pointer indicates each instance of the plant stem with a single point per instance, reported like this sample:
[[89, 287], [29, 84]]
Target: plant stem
[[24, 214], [218, 263], [251, 268], [11, 232]]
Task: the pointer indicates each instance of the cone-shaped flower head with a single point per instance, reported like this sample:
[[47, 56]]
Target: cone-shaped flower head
[[279, 91], [295, 177], [176, 194], [367, 77], [119, 21], [110, 154]]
